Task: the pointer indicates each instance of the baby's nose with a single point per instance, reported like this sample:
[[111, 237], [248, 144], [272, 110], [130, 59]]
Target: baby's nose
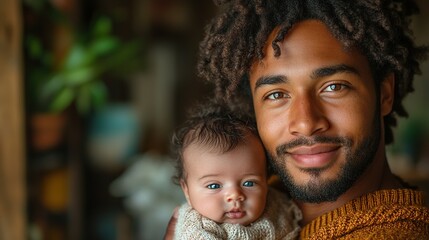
[[235, 195]]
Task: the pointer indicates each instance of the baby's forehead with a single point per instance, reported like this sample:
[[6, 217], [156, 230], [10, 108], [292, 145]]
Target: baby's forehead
[[221, 145], [249, 151]]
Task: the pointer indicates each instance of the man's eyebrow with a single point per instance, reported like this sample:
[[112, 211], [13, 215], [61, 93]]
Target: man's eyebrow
[[269, 80], [331, 70], [318, 73]]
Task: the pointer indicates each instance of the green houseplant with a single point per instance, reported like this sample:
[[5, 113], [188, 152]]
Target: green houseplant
[[78, 78]]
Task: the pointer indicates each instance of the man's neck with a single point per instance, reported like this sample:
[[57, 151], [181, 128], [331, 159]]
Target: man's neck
[[372, 180]]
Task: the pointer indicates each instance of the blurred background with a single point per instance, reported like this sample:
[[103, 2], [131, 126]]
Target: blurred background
[[90, 94]]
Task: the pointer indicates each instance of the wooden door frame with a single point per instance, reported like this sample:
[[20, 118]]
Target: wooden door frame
[[12, 128]]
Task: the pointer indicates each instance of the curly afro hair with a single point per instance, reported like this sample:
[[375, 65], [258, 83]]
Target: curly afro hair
[[379, 28]]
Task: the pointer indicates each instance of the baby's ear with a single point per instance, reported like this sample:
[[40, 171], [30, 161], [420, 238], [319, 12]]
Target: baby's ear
[[185, 191]]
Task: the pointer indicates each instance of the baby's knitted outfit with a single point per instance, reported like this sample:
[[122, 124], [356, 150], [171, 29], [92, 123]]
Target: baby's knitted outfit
[[279, 221]]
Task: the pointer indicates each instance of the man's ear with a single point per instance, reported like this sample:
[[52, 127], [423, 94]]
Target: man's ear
[[185, 191], [387, 94]]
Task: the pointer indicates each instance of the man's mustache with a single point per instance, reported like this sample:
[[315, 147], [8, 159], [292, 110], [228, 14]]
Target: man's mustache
[[303, 141]]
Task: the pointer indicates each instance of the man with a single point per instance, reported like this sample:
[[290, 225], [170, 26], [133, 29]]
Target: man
[[326, 80]]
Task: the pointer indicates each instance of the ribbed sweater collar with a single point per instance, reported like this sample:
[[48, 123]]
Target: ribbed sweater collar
[[405, 197]]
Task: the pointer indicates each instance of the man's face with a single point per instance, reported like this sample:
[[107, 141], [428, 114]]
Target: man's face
[[317, 112]]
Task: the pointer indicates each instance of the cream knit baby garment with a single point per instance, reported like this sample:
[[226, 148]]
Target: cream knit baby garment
[[279, 221]]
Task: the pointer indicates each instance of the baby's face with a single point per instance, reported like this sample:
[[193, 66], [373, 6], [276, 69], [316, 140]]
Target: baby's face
[[229, 187]]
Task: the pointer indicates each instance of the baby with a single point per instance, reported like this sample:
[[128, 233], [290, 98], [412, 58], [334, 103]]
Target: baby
[[222, 169]]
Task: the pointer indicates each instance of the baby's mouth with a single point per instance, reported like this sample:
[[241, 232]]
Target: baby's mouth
[[235, 214]]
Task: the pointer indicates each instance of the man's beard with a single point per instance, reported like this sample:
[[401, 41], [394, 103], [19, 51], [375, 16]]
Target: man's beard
[[318, 190]]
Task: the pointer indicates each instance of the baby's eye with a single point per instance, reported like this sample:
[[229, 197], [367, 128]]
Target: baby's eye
[[248, 184], [213, 186], [334, 87]]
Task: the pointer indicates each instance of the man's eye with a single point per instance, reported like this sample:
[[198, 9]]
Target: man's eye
[[276, 95], [334, 87], [248, 184], [213, 186]]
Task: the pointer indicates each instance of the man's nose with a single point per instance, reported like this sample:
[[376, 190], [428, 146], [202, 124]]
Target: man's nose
[[235, 194], [306, 116]]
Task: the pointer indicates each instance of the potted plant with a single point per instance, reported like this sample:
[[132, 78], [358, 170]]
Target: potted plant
[[77, 79]]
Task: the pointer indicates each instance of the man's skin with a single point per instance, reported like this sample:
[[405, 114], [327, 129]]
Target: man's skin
[[316, 88]]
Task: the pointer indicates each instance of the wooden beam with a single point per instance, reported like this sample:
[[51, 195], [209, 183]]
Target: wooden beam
[[12, 149]]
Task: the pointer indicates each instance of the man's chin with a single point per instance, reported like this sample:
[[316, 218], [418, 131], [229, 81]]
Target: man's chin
[[316, 189], [311, 195]]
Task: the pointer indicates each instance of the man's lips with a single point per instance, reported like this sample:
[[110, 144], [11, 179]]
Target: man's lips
[[316, 156]]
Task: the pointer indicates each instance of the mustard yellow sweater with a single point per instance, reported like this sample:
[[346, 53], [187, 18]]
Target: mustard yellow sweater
[[384, 214]]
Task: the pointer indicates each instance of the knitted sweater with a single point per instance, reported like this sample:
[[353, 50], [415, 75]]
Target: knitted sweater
[[279, 221], [384, 214]]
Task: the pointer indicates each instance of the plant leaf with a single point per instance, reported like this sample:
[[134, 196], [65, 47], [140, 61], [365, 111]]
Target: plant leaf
[[83, 99], [101, 27], [76, 57], [62, 100], [102, 46], [98, 94], [51, 87], [79, 76]]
